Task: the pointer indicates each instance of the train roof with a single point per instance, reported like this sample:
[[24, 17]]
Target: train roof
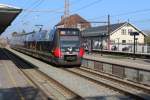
[[68, 29], [33, 32]]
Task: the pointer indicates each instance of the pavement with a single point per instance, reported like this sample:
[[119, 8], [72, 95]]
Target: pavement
[[142, 64], [13, 84], [122, 58]]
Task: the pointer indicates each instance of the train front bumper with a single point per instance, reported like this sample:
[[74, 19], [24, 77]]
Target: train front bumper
[[61, 61]]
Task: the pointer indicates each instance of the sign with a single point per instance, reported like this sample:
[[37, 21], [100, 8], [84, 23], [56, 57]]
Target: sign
[[69, 32], [134, 33]]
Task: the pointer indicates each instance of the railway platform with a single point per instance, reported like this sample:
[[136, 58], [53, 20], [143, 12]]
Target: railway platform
[[137, 71], [14, 85], [126, 61], [79, 86]]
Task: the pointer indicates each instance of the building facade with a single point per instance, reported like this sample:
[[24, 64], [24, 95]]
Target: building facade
[[120, 38], [74, 21]]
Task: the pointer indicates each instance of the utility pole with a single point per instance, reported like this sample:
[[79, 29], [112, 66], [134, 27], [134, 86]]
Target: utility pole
[[108, 30], [66, 12]]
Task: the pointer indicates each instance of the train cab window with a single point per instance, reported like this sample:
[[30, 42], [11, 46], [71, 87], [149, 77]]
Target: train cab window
[[69, 39]]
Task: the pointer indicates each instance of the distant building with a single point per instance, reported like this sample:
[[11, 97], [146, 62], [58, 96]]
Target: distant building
[[120, 37], [74, 21]]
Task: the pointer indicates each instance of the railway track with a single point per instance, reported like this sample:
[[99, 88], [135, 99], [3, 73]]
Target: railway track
[[16, 85], [86, 89], [128, 88], [111, 85], [50, 87]]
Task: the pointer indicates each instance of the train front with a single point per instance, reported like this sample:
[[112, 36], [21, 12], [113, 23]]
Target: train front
[[69, 51]]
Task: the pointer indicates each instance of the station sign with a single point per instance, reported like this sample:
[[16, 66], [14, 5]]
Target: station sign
[[134, 33]]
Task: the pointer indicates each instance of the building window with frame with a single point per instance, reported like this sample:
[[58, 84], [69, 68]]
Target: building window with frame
[[123, 41], [123, 31], [79, 26], [129, 31]]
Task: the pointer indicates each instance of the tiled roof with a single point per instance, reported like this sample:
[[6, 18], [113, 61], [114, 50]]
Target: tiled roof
[[73, 19], [96, 31]]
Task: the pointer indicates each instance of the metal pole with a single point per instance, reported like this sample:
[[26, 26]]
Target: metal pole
[[108, 30], [118, 43], [66, 12], [101, 45], [136, 44], [134, 49]]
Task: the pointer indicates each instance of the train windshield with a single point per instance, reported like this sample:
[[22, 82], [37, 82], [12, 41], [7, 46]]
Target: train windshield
[[69, 39]]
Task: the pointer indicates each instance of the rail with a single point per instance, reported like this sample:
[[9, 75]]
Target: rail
[[127, 88], [49, 86]]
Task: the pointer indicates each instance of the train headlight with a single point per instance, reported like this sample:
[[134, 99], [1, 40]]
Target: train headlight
[[57, 52], [81, 52]]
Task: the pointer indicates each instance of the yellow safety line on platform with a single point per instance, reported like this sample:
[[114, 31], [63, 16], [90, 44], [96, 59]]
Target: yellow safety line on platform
[[15, 83]]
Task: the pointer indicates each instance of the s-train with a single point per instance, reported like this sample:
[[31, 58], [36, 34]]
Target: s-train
[[60, 46]]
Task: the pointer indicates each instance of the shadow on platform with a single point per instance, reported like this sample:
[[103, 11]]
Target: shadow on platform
[[18, 93], [18, 62], [2, 55]]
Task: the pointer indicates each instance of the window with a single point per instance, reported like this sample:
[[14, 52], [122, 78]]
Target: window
[[123, 31], [129, 30], [112, 41], [130, 41], [123, 41], [79, 26]]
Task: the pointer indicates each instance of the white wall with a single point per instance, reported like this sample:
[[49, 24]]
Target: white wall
[[117, 36]]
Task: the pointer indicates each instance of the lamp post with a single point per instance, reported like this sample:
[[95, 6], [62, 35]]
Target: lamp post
[[136, 43], [134, 34], [118, 43]]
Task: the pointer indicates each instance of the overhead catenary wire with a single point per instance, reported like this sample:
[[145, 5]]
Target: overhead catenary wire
[[39, 2], [58, 10], [36, 5], [122, 14], [44, 10], [141, 21], [88, 5], [30, 6], [25, 14]]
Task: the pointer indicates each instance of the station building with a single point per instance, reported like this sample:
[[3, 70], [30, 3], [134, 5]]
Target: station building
[[74, 21], [120, 38]]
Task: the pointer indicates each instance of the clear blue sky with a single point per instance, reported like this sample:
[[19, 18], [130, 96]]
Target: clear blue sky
[[137, 11]]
